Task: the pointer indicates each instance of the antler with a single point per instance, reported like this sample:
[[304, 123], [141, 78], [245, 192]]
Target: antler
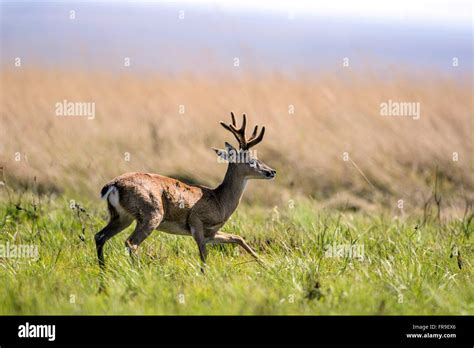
[[239, 134]]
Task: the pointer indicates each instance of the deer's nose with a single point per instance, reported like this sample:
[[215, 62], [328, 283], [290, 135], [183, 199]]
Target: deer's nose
[[271, 173]]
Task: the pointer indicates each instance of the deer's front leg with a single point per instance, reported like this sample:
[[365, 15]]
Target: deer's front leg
[[221, 238], [197, 231]]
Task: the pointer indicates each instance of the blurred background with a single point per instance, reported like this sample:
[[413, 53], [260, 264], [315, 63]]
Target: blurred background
[[162, 74]]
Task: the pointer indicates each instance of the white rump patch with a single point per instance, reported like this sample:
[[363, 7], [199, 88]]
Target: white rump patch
[[113, 197]]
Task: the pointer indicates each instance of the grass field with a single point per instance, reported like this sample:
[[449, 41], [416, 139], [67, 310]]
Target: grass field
[[409, 265]]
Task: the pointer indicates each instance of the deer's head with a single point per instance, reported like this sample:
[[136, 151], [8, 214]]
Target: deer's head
[[244, 159]]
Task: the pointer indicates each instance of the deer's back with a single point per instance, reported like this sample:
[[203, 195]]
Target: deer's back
[[142, 194]]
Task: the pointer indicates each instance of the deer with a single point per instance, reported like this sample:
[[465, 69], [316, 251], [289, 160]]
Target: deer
[[169, 205]]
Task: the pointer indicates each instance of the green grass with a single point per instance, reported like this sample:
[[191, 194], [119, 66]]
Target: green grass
[[406, 269]]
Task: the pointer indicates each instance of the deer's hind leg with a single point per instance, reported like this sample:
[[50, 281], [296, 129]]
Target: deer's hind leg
[[116, 224], [143, 229]]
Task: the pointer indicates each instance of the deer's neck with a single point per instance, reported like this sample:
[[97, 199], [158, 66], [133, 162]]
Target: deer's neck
[[230, 191]]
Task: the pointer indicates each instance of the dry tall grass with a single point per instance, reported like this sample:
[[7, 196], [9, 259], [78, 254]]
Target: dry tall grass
[[140, 115]]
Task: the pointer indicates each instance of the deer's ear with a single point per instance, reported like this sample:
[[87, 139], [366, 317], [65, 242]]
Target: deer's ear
[[221, 153], [229, 148]]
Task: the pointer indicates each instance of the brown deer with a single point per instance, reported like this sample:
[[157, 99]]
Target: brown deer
[[161, 203]]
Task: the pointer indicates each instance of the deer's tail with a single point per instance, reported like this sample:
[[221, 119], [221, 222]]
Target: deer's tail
[[107, 190], [110, 193]]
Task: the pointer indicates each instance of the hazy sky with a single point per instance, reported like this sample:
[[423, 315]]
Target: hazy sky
[[454, 12], [201, 35]]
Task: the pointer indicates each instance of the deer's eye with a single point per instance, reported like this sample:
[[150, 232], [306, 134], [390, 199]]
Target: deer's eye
[[253, 163]]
